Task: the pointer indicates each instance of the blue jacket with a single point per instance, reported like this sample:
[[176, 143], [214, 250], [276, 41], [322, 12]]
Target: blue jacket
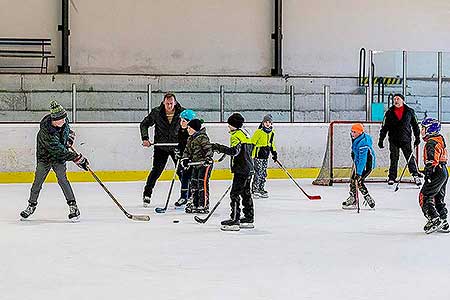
[[361, 149]]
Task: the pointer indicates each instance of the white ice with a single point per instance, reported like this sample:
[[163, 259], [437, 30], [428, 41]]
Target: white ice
[[300, 249]]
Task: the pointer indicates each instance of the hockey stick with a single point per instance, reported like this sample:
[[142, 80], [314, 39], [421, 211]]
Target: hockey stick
[[403, 172], [202, 221], [161, 210], [199, 163], [129, 216], [313, 197], [165, 145], [356, 186]]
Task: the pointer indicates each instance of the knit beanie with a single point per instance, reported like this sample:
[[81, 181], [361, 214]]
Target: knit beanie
[[358, 127], [268, 117], [57, 112], [236, 120], [399, 95], [195, 124]]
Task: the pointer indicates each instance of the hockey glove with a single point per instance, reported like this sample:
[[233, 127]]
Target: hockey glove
[[416, 142], [275, 156], [208, 162], [428, 172], [380, 144], [177, 153], [70, 139], [185, 163], [81, 162]]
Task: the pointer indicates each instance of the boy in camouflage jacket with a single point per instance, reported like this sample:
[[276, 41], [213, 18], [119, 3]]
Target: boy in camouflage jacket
[[198, 155]]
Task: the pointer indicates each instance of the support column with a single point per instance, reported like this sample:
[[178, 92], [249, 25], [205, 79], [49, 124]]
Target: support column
[[277, 36], [65, 32]]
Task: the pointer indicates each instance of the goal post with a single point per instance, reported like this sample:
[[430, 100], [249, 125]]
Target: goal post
[[337, 162]]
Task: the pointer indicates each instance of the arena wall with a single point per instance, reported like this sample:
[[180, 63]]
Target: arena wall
[[228, 36]]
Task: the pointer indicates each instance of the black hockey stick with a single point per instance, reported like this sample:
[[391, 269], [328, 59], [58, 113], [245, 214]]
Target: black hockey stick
[[202, 221], [161, 210], [129, 216], [403, 172], [310, 197], [357, 195]]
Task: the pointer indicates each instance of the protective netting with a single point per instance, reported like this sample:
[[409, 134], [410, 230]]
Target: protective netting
[[337, 162]]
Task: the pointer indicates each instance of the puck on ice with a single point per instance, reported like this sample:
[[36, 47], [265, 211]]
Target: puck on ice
[[176, 221]]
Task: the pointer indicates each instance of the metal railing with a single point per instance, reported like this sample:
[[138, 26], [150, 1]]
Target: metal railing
[[221, 95]]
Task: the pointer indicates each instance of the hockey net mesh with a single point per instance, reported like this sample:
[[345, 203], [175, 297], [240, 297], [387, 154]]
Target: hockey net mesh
[[337, 162]]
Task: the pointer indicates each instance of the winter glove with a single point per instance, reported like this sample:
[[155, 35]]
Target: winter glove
[[70, 139], [218, 148], [416, 142], [185, 163], [380, 144], [275, 156], [81, 162]]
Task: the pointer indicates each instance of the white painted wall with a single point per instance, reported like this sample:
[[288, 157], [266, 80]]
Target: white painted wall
[[118, 146], [231, 36]]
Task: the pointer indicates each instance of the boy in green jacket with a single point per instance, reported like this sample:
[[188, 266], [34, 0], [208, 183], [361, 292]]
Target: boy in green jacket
[[52, 151], [240, 151], [263, 139], [198, 152]]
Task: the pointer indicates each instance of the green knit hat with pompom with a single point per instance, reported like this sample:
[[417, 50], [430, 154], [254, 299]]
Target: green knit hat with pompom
[[57, 112]]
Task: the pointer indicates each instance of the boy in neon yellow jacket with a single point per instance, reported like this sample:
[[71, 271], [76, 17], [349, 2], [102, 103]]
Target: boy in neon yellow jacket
[[240, 151], [263, 139]]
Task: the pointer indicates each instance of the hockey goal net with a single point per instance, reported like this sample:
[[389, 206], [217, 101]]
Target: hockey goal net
[[337, 162]]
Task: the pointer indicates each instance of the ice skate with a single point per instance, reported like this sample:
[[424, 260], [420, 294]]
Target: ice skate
[[264, 194], [201, 210], [230, 225], [433, 225], [189, 209], [181, 202], [391, 182], [260, 194], [445, 227], [368, 200], [350, 203], [246, 223], [27, 211], [146, 201], [74, 213]]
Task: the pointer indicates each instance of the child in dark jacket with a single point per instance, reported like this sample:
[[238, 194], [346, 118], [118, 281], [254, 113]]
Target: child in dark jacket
[[242, 168], [363, 157], [432, 194], [184, 174], [52, 151], [198, 156]]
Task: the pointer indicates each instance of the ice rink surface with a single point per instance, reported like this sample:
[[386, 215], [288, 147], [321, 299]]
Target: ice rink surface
[[300, 249]]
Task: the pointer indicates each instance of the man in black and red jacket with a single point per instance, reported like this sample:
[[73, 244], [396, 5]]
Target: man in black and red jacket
[[399, 123]]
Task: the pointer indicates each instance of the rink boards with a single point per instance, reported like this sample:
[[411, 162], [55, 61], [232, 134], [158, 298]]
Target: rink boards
[[115, 151]]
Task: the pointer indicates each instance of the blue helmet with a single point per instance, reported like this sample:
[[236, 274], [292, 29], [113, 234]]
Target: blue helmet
[[432, 126], [188, 114]]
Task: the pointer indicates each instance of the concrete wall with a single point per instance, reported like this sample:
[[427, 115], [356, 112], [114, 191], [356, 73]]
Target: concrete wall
[[118, 146], [229, 36], [123, 98]]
